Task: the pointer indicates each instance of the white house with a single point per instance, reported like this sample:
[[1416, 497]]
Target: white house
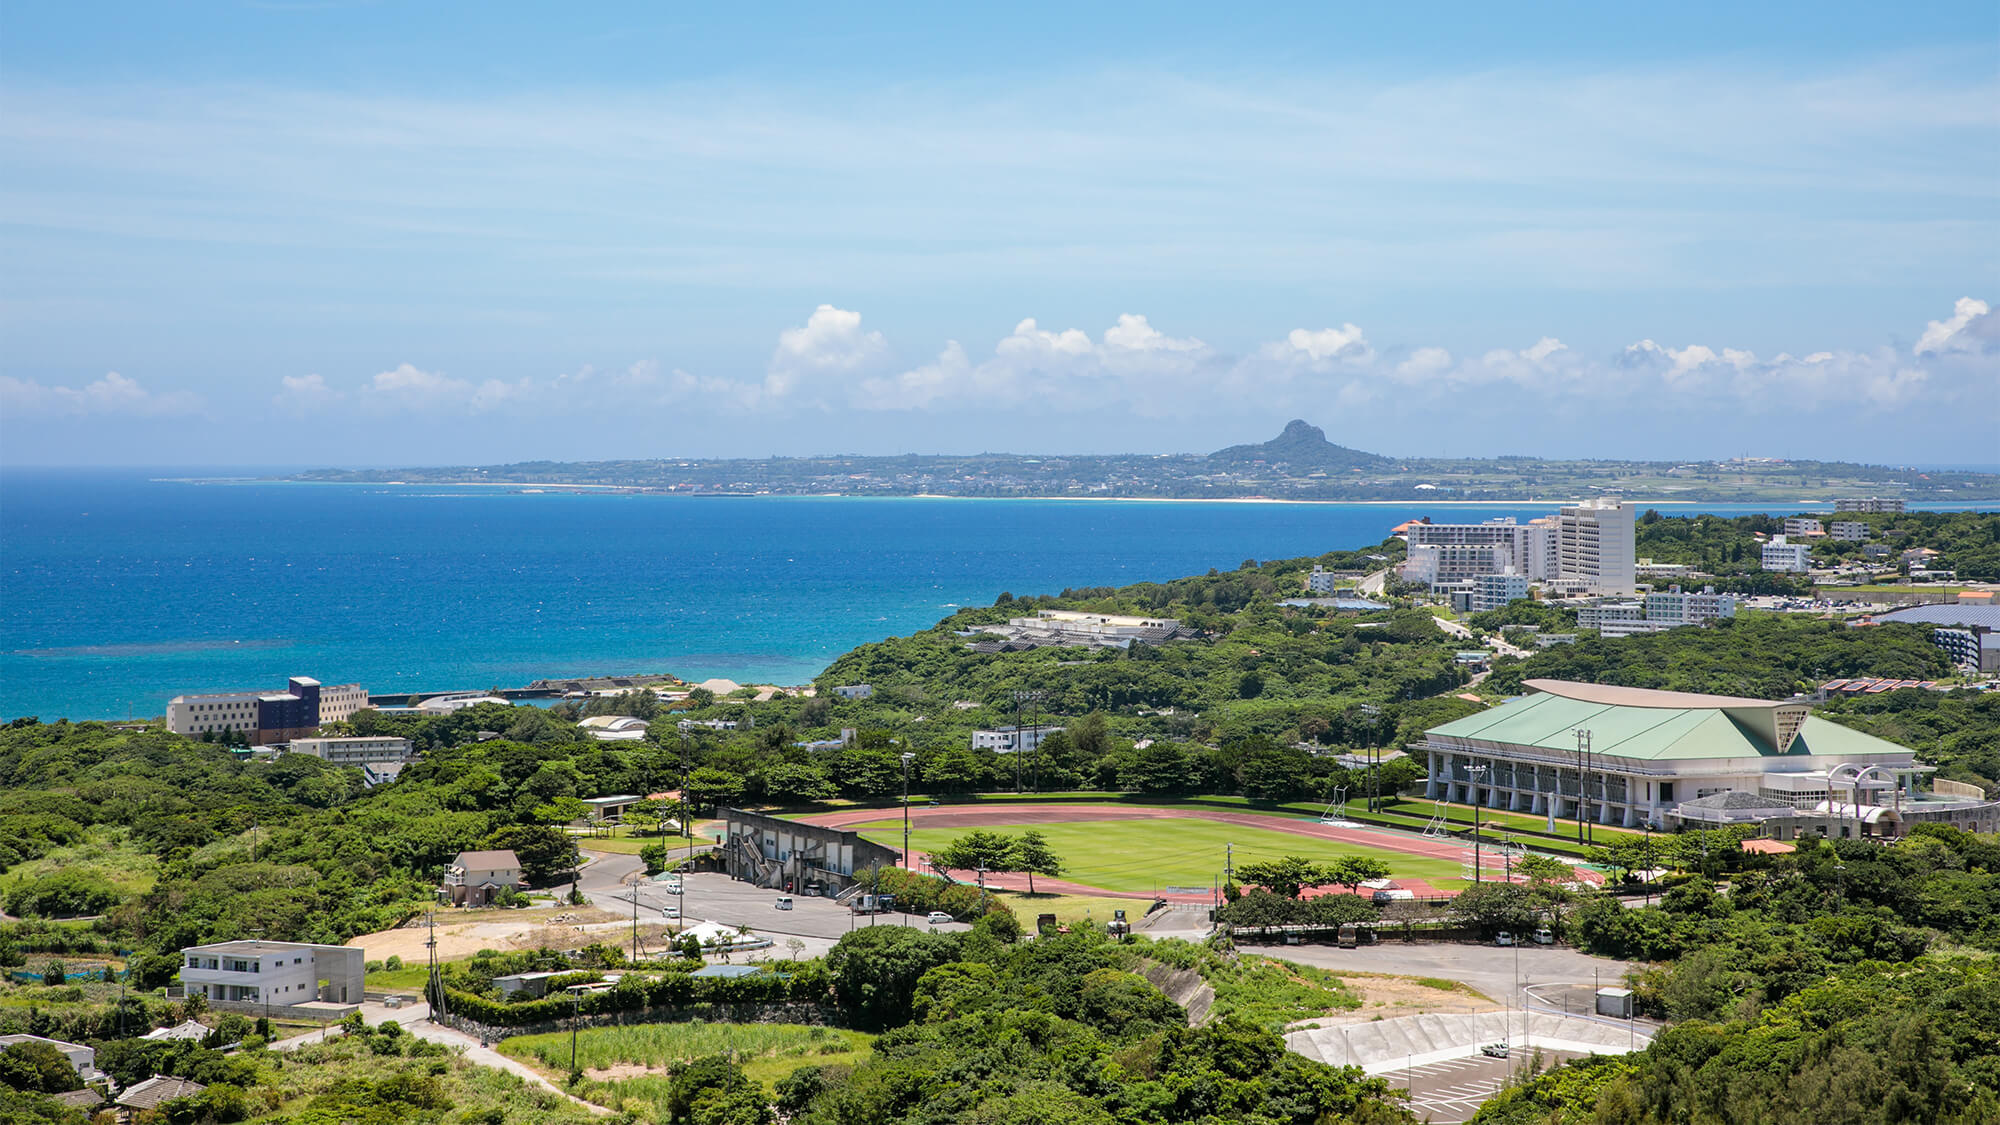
[[274, 973], [81, 1058], [854, 691], [1007, 740]]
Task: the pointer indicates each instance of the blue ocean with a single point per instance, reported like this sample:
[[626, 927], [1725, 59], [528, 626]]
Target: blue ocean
[[120, 589]]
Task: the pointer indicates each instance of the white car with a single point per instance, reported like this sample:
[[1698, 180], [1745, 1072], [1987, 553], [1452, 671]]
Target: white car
[[670, 911], [1505, 938], [936, 917]]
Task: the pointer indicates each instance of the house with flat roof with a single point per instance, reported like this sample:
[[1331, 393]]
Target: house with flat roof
[[473, 878], [272, 973], [81, 1058], [1631, 756]]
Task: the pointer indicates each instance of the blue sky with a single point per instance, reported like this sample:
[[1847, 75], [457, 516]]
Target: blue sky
[[410, 234]]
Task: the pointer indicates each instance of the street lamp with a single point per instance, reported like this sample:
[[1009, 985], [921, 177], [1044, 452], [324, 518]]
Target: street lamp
[[1478, 775]]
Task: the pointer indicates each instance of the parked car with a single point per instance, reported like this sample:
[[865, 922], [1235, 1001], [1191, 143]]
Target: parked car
[[938, 916], [1504, 938], [1394, 894], [670, 911], [1494, 1050], [1545, 936], [671, 886], [784, 902]]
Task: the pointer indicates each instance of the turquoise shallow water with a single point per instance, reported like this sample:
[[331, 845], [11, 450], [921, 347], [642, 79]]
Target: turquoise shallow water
[[118, 591]]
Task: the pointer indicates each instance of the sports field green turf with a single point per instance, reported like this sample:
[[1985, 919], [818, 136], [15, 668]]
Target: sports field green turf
[[1148, 855]]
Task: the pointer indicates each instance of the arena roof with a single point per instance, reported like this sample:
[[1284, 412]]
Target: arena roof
[[1659, 725]]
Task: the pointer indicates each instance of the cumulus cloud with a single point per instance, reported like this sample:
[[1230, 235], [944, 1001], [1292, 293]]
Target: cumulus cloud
[[1133, 365], [1136, 369], [112, 395], [829, 344], [1971, 327]]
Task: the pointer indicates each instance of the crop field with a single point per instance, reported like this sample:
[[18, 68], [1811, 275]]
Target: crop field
[[1146, 854]]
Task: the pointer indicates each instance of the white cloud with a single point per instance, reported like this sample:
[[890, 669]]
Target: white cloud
[[304, 394], [408, 388], [829, 344], [114, 394], [1970, 327], [1424, 363], [1134, 366], [1344, 343]]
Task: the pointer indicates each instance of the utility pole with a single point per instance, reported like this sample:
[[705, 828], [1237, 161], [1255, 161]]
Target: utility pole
[[437, 984], [1372, 719], [635, 919], [982, 887]]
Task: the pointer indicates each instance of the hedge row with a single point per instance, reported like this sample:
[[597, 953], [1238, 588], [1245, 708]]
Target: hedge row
[[805, 981]]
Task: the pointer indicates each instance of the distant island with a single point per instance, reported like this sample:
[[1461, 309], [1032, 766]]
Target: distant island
[[1298, 464]]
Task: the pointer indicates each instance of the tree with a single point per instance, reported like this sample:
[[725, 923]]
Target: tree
[[654, 856], [1031, 853], [1286, 876], [1544, 869], [797, 783], [977, 850], [951, 990], [38, 1067], [712, 788], [700, 697], [1494, 906], [1353, 870], [875, 970], [546, 853]]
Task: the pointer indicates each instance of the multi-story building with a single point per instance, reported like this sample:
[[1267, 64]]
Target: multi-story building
[[1528, 549], [352, 751], [1868, 504], [1969, 634], [1322, 580], [1675, 607], [1007, 740], [266, 716], [1848, 531], [1447, 564], [1804, 525], [1063, 627], [1594, 546], [1495, 591], [1781, 555], [1610, 613], [1631, 756], [274, 973]]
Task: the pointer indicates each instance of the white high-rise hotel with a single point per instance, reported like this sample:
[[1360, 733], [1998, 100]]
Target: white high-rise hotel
[[1587, 548]]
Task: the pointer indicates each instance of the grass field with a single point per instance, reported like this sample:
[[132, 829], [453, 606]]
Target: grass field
[[1147, 855], [624, 1066]]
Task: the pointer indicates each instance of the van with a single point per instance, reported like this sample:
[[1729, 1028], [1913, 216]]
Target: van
[[784, 902]]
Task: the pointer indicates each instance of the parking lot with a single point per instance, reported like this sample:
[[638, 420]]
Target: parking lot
[[1450, 1092], [817, 922]]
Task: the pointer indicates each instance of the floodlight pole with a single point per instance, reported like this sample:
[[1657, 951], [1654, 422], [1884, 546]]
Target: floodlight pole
[[1582, 780], [906, 808], [1478, 775]]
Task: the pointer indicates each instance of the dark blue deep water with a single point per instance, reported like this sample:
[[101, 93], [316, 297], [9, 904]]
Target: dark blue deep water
[[119, 590]]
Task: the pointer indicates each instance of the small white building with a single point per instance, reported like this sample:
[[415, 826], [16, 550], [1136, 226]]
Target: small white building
[[81, 1058], [1848, 531], [1781, 555], [1676, 607], [273, 973], [854, 691], [615, 728], [1009, 740], [352, 751]]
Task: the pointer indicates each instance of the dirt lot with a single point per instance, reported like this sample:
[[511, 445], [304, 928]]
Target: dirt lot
[[1387, 997], [464, 933]]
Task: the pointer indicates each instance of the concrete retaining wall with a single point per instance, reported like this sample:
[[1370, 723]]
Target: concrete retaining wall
[[1384, 1045]]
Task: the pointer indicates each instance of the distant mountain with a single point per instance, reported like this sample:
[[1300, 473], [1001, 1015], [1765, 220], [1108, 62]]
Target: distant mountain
[[1302, 447]]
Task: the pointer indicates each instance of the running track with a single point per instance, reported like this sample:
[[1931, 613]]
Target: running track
[[962, 817]]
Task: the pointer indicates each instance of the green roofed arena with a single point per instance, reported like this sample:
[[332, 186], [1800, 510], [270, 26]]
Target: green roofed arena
[[1633, 756]]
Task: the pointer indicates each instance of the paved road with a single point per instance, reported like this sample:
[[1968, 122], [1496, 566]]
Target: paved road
[[1488, 968]]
